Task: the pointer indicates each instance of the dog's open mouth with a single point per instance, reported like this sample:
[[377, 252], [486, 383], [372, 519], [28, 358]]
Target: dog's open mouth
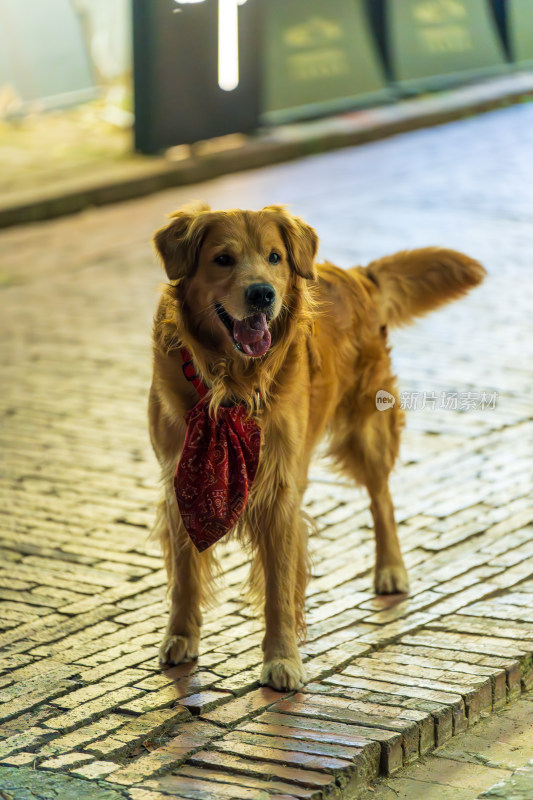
[[250, 335]]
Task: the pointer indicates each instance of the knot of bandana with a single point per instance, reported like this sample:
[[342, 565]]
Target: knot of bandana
[[216, 470]]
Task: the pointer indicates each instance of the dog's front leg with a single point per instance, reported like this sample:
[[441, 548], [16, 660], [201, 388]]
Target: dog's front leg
[[186, 573], [282, 548]]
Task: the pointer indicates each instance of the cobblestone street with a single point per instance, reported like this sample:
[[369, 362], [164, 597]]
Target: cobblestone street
[[85, 711]]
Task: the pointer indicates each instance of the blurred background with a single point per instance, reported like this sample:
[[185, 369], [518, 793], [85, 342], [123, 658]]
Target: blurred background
[[89, 86]]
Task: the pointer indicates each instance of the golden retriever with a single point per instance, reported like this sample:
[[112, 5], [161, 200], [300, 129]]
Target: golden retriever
[[303, 347]]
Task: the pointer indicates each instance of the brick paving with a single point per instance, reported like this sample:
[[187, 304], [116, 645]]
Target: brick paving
[[85, 710]]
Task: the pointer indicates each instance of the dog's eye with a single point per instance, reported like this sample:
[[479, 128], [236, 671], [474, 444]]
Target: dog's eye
[[224, 260], [274, 258]]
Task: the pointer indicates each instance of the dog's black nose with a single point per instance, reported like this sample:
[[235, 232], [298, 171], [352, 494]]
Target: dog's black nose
[[260, 295]]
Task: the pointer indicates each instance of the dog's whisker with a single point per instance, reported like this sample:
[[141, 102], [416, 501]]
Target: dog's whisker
[[210, 307], [205, 310]]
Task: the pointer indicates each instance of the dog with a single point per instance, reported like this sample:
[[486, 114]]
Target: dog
[[297, 350]]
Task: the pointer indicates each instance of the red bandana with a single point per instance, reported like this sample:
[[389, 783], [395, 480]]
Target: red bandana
[[217, 466]]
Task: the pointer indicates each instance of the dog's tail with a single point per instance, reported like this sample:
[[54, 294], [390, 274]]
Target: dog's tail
[[413, 282]]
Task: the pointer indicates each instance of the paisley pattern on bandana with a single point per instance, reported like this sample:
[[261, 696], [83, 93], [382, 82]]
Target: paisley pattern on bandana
[[216, 470]]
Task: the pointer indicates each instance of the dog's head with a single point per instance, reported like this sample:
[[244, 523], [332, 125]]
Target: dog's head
[[236, 271]]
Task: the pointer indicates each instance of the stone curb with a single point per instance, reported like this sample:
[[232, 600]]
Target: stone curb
[[333, 738], [149, 175]]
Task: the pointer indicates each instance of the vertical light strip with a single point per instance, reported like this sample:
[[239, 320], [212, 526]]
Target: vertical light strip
[[228, 44]]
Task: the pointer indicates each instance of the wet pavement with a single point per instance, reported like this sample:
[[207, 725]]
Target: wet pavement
[[82, 699]]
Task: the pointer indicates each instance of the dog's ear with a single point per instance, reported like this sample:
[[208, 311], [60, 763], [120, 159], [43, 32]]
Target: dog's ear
[[300, 240], [179, 242]]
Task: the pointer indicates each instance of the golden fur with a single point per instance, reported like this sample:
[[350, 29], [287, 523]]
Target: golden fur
[[328, 358]]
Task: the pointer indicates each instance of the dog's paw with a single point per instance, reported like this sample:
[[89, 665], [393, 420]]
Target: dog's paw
[[391, 580], [177, 649], [283, 674]]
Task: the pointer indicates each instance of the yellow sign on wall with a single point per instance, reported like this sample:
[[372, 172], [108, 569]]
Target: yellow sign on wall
[[520, 16], [319, 57], [439, 41]]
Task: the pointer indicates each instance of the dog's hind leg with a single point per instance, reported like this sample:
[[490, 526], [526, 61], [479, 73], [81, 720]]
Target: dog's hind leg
[[188, 573], [367, 454], [390, 575]]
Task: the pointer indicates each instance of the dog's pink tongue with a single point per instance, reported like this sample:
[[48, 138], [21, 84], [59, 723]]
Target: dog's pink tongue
[[252, 334]]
